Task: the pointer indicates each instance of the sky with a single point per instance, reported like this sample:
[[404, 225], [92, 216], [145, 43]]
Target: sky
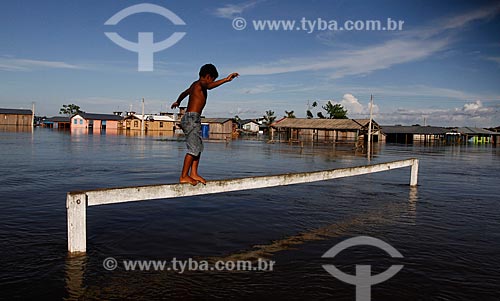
[[441, 68]]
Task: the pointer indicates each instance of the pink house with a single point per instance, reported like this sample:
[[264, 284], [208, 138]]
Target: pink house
[[92, 121]]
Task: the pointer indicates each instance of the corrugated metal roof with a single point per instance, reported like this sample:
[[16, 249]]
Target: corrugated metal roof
[[365, 122], [96, 116], [245, 121], [322, 124], [58, 119], [15, 111], [473, 131], [413, 129]]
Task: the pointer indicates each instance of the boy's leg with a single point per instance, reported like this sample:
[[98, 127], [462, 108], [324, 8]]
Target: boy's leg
[[188, 163], [194, 170]]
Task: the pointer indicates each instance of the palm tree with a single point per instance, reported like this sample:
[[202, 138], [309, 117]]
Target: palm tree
[[289, 114], [269, 117]]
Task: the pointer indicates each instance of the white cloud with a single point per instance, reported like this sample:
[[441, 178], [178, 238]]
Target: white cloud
[[472, 107], [462, 20], [263, 88], [354, 107], [455, 22], [470, 114], [232, 10], [409, 46], [13, 64], [418, 91], [357, 62]]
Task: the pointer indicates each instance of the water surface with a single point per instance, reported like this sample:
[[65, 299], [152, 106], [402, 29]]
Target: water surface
[[447, 229]]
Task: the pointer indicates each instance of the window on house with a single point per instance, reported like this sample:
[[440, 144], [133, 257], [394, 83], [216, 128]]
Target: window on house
[[136, 123], [75, 121], [81, 121], [161, 124]]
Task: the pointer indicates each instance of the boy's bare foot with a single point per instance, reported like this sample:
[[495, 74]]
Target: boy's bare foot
[[188, 180], [199, 179]]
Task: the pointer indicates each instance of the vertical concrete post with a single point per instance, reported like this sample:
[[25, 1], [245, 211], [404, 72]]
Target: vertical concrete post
[[414, 173], [76, 206]]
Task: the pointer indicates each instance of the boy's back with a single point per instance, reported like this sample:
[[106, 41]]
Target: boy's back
[[197, 97]]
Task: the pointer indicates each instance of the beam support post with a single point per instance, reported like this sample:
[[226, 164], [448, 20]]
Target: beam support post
[[76, 206], [414, 173]]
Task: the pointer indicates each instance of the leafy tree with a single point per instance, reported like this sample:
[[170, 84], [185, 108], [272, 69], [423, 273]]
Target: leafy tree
[[320, 115], [269, 117], [70, 109], [289, 114], [335, 111]]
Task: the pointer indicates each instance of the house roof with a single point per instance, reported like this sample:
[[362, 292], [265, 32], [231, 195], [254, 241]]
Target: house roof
[[365, 122], [323, 124], [97, 116], [474, 131], [413, 129], [58, 119], [216, 120], [16, 111], [245, 121]]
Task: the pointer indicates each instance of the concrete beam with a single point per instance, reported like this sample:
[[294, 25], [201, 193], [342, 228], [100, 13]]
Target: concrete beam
[[77, 201]]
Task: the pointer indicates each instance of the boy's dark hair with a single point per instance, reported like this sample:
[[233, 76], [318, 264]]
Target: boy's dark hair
[[210, 70]]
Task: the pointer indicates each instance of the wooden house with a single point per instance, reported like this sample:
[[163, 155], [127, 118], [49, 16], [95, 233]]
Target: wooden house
[[323, 130], [57, 122], [218, 128], [151, 122], [17, 117], [249, 125], [414, 133]]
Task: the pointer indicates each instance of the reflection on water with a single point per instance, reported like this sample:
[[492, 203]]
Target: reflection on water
[[129, 133], [412, 205], [16, 129], [384, 215], [75, 271]]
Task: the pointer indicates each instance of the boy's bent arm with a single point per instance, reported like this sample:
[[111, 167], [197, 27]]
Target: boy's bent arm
[[215, 84], [180, 98]]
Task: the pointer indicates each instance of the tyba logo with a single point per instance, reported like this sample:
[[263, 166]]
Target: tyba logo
[[363, 280], [145, 46]]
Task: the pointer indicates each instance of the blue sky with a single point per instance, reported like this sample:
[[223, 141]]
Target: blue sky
[[443, 66]]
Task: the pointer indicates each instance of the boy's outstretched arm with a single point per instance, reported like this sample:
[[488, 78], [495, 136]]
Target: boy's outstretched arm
[[180, 98], [219, 82]]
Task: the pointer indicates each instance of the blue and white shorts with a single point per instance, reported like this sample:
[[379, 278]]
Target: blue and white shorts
[[191, 126]]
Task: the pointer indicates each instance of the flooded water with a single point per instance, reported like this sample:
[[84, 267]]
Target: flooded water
[[447, 229]]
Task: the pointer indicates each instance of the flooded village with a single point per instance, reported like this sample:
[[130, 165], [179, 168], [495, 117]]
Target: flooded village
[[286, 129]]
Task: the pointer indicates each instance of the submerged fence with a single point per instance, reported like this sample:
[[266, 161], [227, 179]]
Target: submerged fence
[[78, 201]]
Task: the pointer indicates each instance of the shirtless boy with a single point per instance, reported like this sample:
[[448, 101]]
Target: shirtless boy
[[191, 121]]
